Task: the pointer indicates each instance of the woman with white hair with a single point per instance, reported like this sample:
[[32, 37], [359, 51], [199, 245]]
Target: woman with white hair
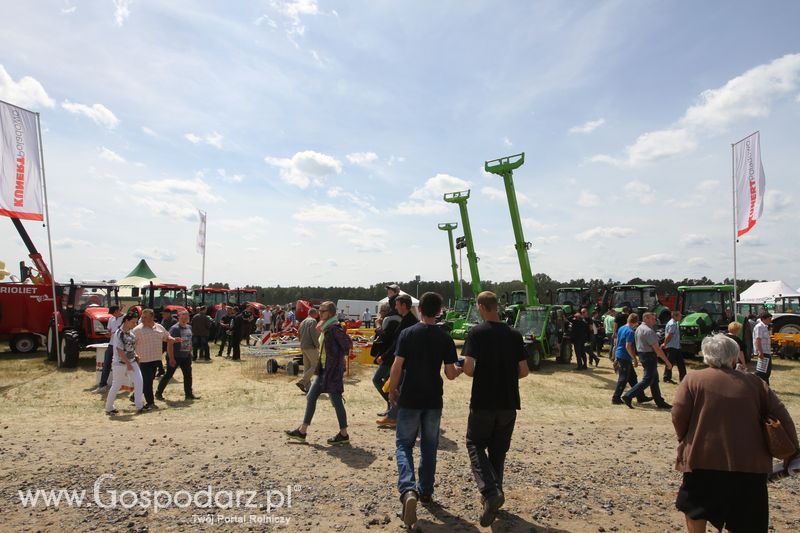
[[718, 417]]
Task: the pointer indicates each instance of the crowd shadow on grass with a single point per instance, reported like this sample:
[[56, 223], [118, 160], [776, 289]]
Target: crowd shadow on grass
[[450, 522], [352, 456], [512, 522], [447, 444]]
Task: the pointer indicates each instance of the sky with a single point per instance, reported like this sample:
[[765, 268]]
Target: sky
[[320, 136]]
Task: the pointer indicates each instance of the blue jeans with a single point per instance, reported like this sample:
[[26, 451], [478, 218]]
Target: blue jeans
[[107, 358], [336, 400], [379, 378], [409, 423], [649, 362]]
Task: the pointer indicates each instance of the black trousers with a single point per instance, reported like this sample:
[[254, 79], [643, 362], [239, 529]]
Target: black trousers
[[675, 357], [185, 364], [489, 431], [580, 353], [148, 376], [200, 344], [226, 340], [236, 342]]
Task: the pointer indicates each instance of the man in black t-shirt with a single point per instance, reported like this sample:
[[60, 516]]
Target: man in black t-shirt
[[494, 355], [403, 305], [421, 350]]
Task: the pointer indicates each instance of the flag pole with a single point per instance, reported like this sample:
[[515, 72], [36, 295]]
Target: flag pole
[[735, 221], [57, 344], [203, 274]]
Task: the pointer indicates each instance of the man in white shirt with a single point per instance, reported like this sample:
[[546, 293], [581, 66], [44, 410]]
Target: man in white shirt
[[114, 322], [762, 346]]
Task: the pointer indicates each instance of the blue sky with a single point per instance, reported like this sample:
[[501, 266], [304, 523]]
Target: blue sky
[[320, 135]]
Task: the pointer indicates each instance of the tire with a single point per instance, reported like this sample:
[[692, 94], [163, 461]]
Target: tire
[[52, 353], [272, 366], [565, 352], [72, 348], [24, 343], [788, 324], [291, 368]]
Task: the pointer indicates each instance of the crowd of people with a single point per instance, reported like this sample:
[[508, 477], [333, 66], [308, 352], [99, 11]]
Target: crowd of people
[[717, 412]]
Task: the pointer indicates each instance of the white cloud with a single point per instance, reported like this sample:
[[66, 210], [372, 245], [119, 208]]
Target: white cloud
[[323, 213], [657, 259], [213, 139], [70, 243], [108, 155], [303, 231], [121, 11], [67, 10], [588, 127], [27, 92], [149, 132], [587, 199], [777, 201], [603, 232], [395, 159], [293, 10], [428, 199], [99, 113], [169, 208], [697, 262], [534, 224], [507, 141], [250, 223], [192, 191], [232, 178], [354, 197], [744, 97], [362, 158], [693, 239], [640, 191], [306, 168], [154, 254], [707, 186], [751, 241]]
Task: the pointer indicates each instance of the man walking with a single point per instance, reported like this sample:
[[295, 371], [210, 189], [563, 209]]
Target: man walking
[[579, 335], [649, 351], [494, 355], [608, 324], [149, 335], [625, 359], [672, 346], [180, 355], [224, 330], [421, 351], [762, 346], [201, 330], [407, 319], [309, 346], [366, 318]]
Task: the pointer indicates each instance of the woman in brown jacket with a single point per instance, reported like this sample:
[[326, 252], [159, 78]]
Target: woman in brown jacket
[[717, 413]]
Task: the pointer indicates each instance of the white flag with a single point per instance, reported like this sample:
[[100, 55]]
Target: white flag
[[20, 165], [201, 233], [750, 182]]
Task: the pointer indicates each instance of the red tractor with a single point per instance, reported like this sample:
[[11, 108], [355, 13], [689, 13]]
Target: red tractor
[[247, 299], [212, 298], [162, 296], [27, 316]]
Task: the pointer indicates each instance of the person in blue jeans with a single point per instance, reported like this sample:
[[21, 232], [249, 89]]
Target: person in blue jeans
[[626, 359], [649, 350], [335, 346], [421, 351]]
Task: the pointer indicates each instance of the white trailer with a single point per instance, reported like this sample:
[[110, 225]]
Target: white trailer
[[354, 309]]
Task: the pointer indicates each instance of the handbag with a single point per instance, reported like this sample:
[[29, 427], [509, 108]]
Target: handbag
[[779, 443]]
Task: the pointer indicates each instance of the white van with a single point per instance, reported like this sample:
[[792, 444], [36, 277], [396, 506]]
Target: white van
[[353, 309]]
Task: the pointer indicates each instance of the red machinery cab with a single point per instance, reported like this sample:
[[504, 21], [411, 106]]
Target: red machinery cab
[[163, 296]]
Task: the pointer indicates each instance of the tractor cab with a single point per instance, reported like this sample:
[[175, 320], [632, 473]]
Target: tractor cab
[[706, 309], [85, 309], [571, 299], [246, 298], [543, 328], [212, 298], [640, 298], [165, 296]]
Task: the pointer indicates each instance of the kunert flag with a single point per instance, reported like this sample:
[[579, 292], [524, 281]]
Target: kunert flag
[[20, 165], [749, 178], [201, 233]]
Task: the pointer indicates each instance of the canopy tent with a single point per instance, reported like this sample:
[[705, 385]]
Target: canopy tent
[[766, 290], [414, 301], [140, 276]]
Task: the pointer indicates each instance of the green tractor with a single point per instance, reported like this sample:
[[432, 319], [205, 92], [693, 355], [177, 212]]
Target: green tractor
[[572, 299], [543, 327], [460, 324], [640, 298], [706, 309]]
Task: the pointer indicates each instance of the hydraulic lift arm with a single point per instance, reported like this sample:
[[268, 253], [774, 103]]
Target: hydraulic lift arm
[[44, 277], [461, 198], [449, 227]]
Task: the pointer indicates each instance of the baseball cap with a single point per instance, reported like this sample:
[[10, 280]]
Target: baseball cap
[[394, 286]]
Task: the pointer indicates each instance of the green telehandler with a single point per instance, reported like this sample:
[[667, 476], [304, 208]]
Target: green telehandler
[[461, 305], [543, 327]]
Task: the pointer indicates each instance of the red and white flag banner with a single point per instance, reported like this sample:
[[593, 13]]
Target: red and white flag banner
[[20, 164], [201, 233], [748, 174]]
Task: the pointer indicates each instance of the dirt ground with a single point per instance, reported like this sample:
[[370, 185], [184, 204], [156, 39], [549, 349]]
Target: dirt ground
[[577, 463]]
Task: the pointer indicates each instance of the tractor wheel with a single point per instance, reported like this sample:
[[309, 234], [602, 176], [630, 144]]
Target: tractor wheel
[[72, 348], [565, 353], [788, 324], [534, 356], [291, 368], [272, 366], [52, 352], [24, 343]]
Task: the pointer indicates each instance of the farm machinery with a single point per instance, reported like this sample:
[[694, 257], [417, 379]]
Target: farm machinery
[[461, 304], [543, 327], [706, 309], [640, 298]]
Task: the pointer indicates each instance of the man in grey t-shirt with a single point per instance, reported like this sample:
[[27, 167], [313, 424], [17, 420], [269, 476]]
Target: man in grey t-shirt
[[649, 351], [672, 346]]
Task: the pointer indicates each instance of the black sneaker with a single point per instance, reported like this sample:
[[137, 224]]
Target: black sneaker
[[628, 401], [644, 399], [131, 398], [663, 405], [426, 498], [301, 387], [296, 434], [112, 412], [160, 397], [616, 401], [491, 505], [192, 397], [409, 508], [339, 439]]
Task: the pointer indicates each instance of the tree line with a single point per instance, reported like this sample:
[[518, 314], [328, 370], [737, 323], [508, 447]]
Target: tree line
[[545, 287]]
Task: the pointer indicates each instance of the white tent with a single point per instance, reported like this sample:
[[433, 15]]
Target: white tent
[[767, 290], [414, 301], [141, 276]]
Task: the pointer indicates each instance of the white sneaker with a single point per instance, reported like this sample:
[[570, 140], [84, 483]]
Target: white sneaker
[[101, 390]]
